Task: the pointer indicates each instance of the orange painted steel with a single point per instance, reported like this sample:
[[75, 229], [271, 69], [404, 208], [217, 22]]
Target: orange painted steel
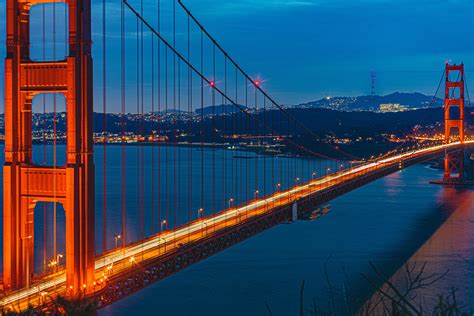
[[25, 184], [454, 98]]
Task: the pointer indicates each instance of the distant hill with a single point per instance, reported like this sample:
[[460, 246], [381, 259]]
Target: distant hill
[[219, 109], [372, 103]]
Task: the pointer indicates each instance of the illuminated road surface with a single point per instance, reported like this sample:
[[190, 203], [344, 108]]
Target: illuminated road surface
[[115, 262]]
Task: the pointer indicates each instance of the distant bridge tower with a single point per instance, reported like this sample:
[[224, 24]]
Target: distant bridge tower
[[454, 99], [25, 184]]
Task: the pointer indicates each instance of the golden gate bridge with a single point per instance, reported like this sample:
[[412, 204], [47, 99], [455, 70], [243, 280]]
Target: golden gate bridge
[[165, 69]]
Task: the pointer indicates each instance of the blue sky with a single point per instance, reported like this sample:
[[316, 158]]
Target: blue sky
[[311, 48]]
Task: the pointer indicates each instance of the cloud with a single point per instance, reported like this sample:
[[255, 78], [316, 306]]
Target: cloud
[[236, 7]]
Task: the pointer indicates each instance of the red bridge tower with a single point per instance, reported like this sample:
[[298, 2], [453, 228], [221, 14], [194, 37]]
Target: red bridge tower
[[25, 184], [454, 98]]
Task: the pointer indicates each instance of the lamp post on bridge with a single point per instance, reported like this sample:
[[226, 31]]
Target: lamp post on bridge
[[164, 223], [205, 225], [164, 239], [58, 258], [200, 213], [54, 263], [116, 238]]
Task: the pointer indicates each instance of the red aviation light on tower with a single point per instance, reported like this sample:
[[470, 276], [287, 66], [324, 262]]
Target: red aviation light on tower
[[257, 82], [212, 84]]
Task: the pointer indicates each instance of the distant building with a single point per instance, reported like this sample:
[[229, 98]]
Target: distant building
[[392, 107]]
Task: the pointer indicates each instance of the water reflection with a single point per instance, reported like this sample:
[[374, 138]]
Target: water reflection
[[449, 252]]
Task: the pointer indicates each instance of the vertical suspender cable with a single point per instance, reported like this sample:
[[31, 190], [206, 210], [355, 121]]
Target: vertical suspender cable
[[167, 139], [202, 125], [224, 140], [45, 229], [153, 117], [247, 161], [295, 171], [467, 89], [190, 109], [264, 149], [280, 167], [288, 165], [137, 124], [54, 144], [104, 102], [240, 133], [213, 132], [123, 102], [178, 132], [142, 132], [257, 143], [174, 114], [273, 153], [167, 133], [159, 115], [235, 115]]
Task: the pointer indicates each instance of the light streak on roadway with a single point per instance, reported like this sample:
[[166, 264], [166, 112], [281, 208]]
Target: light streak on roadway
[[121, 256]]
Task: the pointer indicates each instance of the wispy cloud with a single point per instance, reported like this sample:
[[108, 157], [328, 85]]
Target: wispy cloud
[[247, 6]]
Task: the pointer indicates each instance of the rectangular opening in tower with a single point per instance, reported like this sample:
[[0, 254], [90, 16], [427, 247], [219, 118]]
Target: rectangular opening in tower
[[47, 258], [49, 127], [49, 31], [454, 93], [454, 113]]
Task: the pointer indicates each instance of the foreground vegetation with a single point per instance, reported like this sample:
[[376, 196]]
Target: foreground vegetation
[[390, 299]]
